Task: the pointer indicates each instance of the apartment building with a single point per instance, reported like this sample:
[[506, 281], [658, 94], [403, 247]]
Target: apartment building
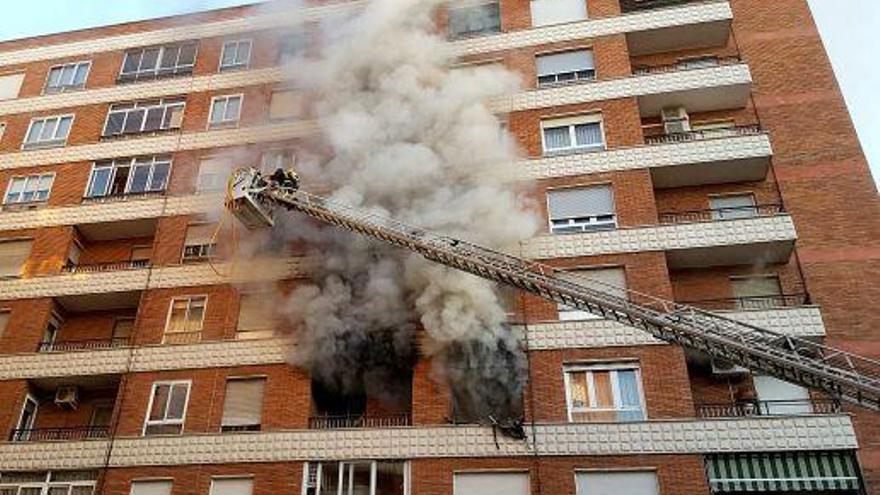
[[698, 151]]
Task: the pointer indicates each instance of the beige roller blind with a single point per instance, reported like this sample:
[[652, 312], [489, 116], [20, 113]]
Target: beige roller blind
[[284, 105], [13, 255], [200, 234], [255, 312], [10, 85], [491, 484], [232, 486], [4, 320], [243, 404], [157, 487]]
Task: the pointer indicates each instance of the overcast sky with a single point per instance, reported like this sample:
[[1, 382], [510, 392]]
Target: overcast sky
[[848, 28]]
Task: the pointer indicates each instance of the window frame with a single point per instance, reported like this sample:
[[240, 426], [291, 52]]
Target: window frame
[[615, 470], [250, 477], [232, 378], [49, 143], [578, 272], [28, 397], [209, 250], [236, 66], [573, 122], [717, 213], [182, 421], [176, 101], [138, 75], [189, 299], [225, 124], [147, 480], [374, 463], [575, 80], [26, 178], [115, 164], [534, 25], [47, 90], [588, 367], [455, 36], [613, 224]]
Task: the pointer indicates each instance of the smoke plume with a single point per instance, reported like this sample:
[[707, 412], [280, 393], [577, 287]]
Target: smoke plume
[[404, 135]]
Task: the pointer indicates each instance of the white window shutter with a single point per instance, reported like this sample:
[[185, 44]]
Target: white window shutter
[[559, 63], [10, 85], [491, 484], [548, 12], [580, 202], [151, 487], [617, 483], [243, 404], [13, 255], [232, 486]]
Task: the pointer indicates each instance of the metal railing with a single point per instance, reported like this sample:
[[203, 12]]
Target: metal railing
[[114, 198], [82, 345], [329, 422], [110, 266], [733, 213], [704, 134], [749, 408], [684, 65], [751, 302], [56, 434], [627, 6]]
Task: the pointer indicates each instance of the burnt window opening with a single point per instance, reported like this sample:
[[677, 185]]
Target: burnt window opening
[[486, 382]]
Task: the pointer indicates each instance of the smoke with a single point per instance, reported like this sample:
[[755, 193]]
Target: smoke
[[403, 135]]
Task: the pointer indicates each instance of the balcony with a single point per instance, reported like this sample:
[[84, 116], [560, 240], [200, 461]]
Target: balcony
[[329, 422], [83, 345], [59, 434], [713, 31], [753, 408], [108, 266], [703, 85], [751, 303], [627, 6], [717, 214], [121, 198]]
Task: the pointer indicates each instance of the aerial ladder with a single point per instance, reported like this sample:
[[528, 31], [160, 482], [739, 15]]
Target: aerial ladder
[[254, 198]]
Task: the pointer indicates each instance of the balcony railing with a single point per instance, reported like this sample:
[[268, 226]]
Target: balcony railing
[[751, 302], [733, 213], [112, 266], [353, 421], [750, 408], [686, 64], [637, 5], [82, 345], [702, 135], [56, 434], [115, 198]]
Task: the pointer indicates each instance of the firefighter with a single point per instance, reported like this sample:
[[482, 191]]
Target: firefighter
[[286, 179]]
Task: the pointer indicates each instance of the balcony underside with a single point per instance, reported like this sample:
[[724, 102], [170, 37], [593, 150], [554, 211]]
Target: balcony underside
[[730, 255], [706, 98], [674, 38], [714, 172]]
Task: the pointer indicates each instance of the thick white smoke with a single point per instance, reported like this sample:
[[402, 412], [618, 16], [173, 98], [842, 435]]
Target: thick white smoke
[[403, 135]]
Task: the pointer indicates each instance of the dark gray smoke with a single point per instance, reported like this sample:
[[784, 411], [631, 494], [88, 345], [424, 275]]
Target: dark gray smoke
[[401, 134]]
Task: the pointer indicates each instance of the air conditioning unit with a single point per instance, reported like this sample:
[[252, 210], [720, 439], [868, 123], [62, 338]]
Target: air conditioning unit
[[726, 368], [67, 397], [676, 120]]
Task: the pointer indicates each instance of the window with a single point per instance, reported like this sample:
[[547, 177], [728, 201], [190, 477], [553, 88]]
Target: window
[[236, 55], [243, 404], [13, 255], [126, 176], [617, 483], [4, 320], [581, 209], [144, 116], [232, 486], [272, 160], [10, 85], [583, 133], [141, 253], [733, 206], [332, 478], [213, 173], [548, 12], [255, 317], [293, 46], [151, 487], [225, 110], [185, 318], [28, 415], [200, 242], [122, 328], [48, 131], [474, 19], [2, 130], [102, 414], [780, 397], [50, 483], [488, 483], [167, 409], [604, 393], [155, 62], [67, 77], [757, 292], [565, 67], [610, 280], [285, 104], [698, 62], [29, 189]]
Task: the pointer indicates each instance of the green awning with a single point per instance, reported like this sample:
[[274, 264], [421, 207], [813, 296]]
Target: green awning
[[782, 471]]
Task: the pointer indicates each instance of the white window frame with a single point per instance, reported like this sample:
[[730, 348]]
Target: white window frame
[[236, 65], [164, 103], [48, 143], [615, 470], [67, 87], [571, 123], [189, 299], [28, 397], [225, 123], [47, 484], [130, 163], [207, 251], [27, 179], [407, 475], [139, 74], [576, 79], [181, 421], [2, 130], [616, 365], [593, 220]]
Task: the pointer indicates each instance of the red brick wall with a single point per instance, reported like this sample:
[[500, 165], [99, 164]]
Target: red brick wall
[[268, 478]]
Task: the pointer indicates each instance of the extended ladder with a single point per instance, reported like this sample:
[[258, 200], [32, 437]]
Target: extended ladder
[[850, 377]]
